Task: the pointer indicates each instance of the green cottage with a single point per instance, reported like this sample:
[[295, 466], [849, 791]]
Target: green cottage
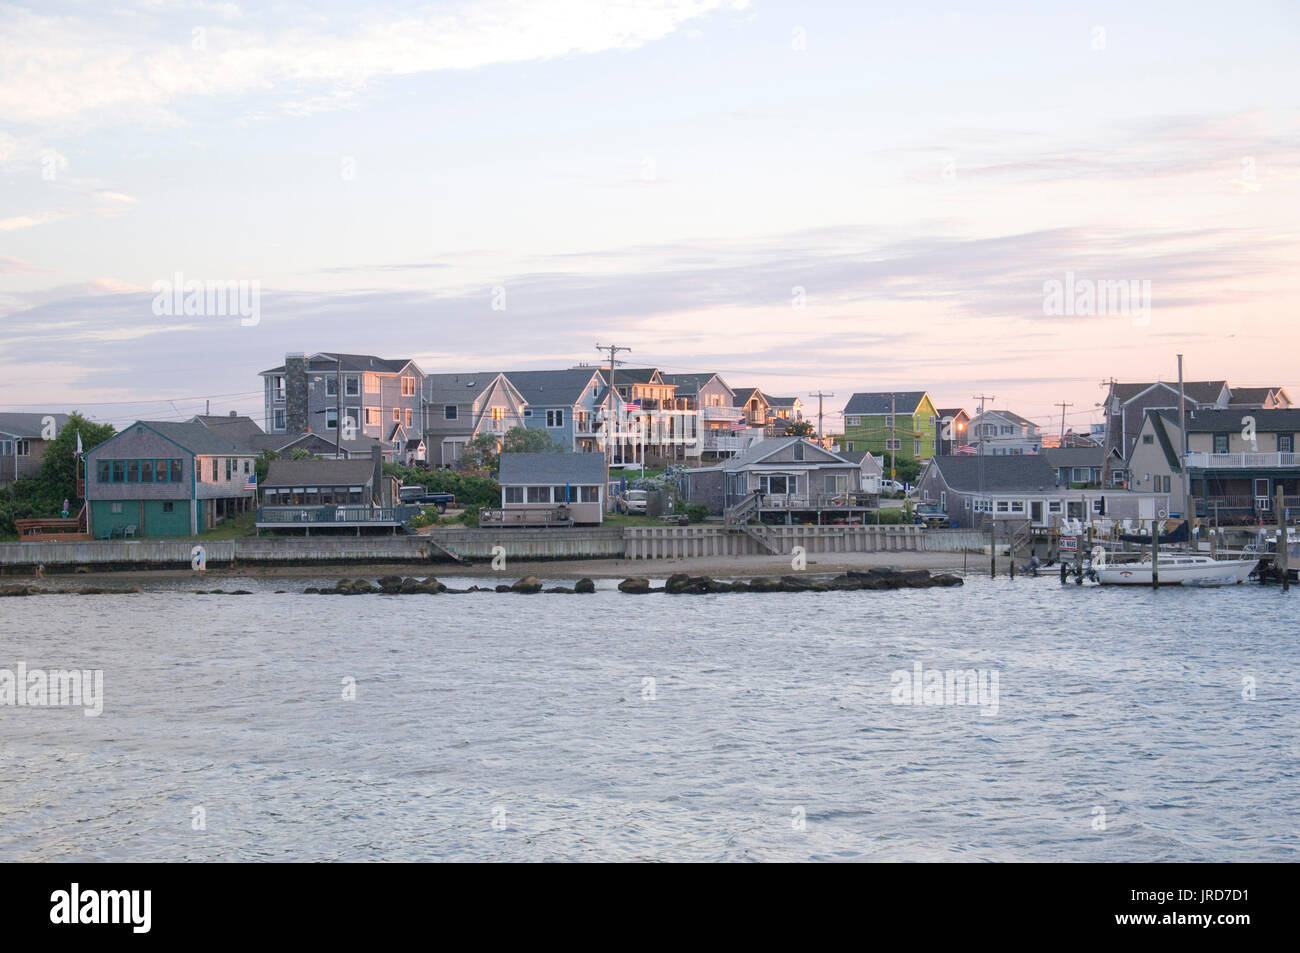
[[160, 478]]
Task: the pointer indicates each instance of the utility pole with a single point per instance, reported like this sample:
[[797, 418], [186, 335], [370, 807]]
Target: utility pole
[[820, 397], [1189, 513], [1062, 404], [893, 440], [338, 407], [609, 413]]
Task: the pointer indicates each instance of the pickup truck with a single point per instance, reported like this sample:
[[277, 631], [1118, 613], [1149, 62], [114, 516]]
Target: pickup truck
[[423, 496], [931, 515]]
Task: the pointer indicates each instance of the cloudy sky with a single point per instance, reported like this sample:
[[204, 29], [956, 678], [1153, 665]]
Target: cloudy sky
[[797, 196]]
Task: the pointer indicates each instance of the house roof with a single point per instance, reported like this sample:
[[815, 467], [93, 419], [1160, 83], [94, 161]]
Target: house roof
[[27, 424], [353, 363], [1228, 421], [762, 449], [1158, 425], [552, 388], [1007, 415], [743, 395], [319, 472], [1075, 456], [457, 388], [689, 385], [870, 404], [1030, 471], [1202, 392], [233, 427], [953, 412], [630, 375], [191, 435], [782, 401], [554, 468], [322, 443]]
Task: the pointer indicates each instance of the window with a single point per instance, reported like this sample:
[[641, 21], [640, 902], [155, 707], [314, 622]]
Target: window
[[779, 484], [851, 421], [850, 446], [798, 451], [1017, 506], [589, 494], [1285, 443], [133, 471], [932, 421], [103, 472], [397, 415], [247, 463], [1003, 506], [514, 494], [1148, 439], [230, 468], [1054, 506], [943, 496], [6, 448], [449, 412], [214, 469], [555, 418], [176, 471], [889, 420], [168, 507], [332, 386], [372, 417], [539, 494], [558, 493], [279, 420], [277, 389], [966, 501], [115, 508], [331, 418], [837, 483], [528, 411], [146, 471], [408, 416], [1220, 443], [22, 447], [893, 445], [352, 386], [408, 386], [1097, 507], [372, 383], [916, 450]]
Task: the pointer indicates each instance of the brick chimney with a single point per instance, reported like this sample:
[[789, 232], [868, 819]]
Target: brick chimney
[[295, 393]]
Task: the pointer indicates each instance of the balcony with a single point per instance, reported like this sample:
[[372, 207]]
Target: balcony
[[1242, 461], [321, 516], [721, 413]]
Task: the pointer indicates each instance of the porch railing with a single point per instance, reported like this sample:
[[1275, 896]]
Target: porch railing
[[325, 515], [1242, 461]]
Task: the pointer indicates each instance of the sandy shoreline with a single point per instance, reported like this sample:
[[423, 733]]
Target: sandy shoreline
[[719, 566]]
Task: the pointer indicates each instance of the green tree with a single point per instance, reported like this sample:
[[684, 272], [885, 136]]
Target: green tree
[[799, 428], [57, 478], [481, 452], [529, 440]]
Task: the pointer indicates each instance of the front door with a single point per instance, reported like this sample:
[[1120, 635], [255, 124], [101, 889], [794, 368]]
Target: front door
[[1036, 512]]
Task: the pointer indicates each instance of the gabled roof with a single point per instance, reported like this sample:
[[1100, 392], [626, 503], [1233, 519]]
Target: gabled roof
[[762, 449], [782, 401], [552, 388], [953, 412], [1029, 471], [632, 375], [319, 472], [1201, 392], [1007, 415], [743, 395], [1158, 425], [234, 428], [553, 468], [190, 435], [323, 443], [27, 424], [872, 404], [457, 388], [352, 363], [690, 384]]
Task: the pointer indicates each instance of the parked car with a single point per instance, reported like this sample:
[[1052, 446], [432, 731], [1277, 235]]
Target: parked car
[[931, 515], [633, 502], [422, 496]]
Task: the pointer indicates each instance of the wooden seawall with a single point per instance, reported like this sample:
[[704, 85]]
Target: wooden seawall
[[633, 542]]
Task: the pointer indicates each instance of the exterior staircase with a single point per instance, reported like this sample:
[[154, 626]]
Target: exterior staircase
[[737, 520]]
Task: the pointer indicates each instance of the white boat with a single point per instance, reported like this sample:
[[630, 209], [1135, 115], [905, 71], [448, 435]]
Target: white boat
[[1176, 569]]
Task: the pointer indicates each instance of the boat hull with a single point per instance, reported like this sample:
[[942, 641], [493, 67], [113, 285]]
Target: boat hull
[[1222, 572]]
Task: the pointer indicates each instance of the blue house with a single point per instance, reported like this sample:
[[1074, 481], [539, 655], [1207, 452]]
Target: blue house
[[564, 404]]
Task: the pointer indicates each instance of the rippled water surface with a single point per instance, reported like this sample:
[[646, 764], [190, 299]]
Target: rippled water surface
[[505, 727]]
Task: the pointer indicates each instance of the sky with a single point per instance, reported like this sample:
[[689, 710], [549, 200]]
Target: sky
[[800, 197]]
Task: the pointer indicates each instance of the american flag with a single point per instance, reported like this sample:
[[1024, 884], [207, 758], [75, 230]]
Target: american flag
[[966, 448], [251, 482]]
